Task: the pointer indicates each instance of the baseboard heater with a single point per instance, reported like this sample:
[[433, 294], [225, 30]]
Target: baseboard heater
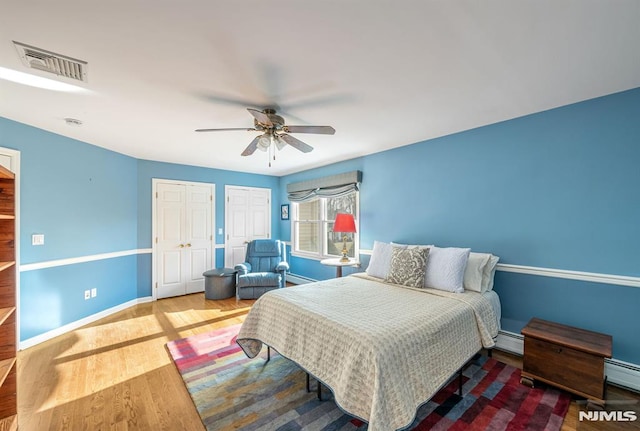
[[299, 279]]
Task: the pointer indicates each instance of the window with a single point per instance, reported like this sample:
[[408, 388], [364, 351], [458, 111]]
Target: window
[[312, 227]]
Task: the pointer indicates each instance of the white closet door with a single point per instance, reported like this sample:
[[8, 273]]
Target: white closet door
[[248, 217], [184, 240], [198, 239], [171, 209]]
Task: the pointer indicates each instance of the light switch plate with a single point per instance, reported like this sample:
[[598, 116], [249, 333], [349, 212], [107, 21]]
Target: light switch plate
[[37, 239]]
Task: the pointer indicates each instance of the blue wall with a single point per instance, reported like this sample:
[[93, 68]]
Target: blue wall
[[88, 201], [81, 198], [558, 189]]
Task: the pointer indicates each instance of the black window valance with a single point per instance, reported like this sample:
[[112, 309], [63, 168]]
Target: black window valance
[[325, 187]]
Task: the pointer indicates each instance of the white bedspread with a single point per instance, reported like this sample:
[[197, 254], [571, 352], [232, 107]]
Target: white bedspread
[[382, 349]]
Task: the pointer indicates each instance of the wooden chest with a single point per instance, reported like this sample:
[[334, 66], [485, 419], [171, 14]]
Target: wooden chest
[[567, 357]]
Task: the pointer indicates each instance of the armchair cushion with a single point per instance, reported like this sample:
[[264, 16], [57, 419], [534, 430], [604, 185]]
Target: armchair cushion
[[255, 279], [263, 248]]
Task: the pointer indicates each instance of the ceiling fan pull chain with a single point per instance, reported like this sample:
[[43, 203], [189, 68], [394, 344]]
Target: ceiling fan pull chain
[[272, 146]]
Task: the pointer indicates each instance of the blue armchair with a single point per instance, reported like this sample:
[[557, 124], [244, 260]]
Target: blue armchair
[[265, 268]]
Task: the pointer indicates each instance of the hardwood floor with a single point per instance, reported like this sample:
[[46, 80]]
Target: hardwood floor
[[116, 373]]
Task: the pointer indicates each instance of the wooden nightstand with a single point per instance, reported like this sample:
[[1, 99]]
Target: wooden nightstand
[[567, 357]]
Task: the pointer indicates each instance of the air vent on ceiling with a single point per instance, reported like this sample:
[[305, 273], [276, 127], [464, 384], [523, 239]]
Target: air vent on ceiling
[[47, 61]]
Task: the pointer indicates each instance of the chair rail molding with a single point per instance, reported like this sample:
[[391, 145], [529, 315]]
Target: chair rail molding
[[81, 259], [620, 280]]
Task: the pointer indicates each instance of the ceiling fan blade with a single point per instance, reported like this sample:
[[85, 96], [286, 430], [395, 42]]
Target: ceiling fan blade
[[252, 147], [321, 130], [226, 129], [296, 143], [260, 116]]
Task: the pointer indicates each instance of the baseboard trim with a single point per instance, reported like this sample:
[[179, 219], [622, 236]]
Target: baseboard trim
[[619, 373], [30, 342]]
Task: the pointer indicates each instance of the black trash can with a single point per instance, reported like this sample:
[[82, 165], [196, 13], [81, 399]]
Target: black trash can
[[219, 283]]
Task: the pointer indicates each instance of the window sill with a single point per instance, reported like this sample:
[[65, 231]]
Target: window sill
[[307, 256], [317, 257]]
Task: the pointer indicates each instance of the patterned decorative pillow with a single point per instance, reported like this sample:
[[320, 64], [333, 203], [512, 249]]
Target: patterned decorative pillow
[[407, 266]]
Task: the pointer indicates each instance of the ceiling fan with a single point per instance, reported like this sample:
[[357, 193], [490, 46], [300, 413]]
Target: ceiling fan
[[275, 133]]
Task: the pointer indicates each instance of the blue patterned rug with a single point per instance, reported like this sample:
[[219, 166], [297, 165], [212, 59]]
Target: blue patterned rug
[[232, 392]]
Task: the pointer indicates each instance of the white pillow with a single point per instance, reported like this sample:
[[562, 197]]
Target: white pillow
[[381, 259], [474, 271], [445, 268], [489, 273]]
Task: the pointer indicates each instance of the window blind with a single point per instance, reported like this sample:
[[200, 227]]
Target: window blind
[[325, 187]]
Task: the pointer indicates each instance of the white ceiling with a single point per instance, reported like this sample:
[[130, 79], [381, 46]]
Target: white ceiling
[[383, 73]]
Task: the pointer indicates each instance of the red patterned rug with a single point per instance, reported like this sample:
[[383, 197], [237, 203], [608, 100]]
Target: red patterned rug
[[232, 392]]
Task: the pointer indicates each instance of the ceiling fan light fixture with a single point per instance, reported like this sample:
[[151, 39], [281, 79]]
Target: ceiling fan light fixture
[[264, 142], [280, 144]]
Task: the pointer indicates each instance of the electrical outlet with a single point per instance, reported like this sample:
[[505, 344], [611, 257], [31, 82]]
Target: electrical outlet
[[87, 294], [94, 292]]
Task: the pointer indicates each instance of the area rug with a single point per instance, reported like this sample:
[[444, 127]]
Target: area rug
[[232, 392]]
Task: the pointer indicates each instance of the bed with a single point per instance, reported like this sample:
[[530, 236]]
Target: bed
[[381, 348]]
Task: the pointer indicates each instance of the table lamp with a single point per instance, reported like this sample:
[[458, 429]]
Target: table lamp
[[344, 223]]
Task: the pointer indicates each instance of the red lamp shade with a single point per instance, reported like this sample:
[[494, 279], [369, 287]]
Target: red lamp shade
[[344, 223]]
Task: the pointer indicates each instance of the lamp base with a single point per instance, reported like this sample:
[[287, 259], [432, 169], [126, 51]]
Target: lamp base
[[344, 257]]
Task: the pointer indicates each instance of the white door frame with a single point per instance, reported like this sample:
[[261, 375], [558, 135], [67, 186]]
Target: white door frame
[[14, 155], [227, 218], [154, 251]]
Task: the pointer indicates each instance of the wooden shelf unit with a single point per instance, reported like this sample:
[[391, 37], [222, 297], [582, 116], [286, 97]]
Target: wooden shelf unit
[[8, 386]]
